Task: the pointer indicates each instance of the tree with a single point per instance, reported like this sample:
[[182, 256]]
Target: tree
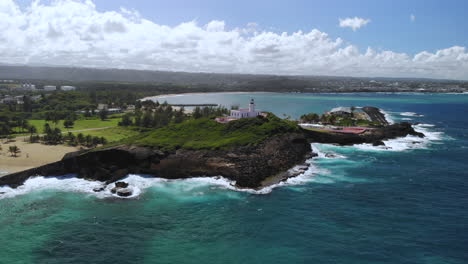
[[96, 141], [197, 113], [80, 138], [126, 120], [14, 150], [68, 123], [88, 140], [32, 130], [47, 128], [147, 119], [103, 114], [179, 116]]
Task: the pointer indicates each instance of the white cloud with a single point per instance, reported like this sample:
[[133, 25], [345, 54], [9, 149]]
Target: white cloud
[[354, 23], [412, 18], [74, 33]]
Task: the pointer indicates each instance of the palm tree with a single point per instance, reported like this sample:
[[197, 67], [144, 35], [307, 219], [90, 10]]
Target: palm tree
[[14, 150]]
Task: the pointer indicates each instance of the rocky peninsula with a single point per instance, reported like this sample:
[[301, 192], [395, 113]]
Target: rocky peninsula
[[246, 151]]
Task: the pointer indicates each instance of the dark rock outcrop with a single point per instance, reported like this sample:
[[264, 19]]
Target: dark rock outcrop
[[247, 165], [372, 136]]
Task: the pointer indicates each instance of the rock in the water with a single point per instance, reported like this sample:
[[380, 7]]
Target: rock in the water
[[121, 189], [124, 192], [121, 184], [378, 143], [99, 189]]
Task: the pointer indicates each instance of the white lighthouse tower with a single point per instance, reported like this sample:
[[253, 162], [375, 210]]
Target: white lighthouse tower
[[252, 106]]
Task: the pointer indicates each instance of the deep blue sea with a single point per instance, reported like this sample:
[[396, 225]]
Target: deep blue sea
[[407, 203]]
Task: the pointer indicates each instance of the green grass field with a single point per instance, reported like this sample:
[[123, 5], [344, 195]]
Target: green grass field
[[79, 124], [112, 134]]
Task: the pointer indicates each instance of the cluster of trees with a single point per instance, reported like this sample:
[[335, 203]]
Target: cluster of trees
[[310, 118], [316, 118], [208, 112], [82, 140], [154, 115], [54, 136], [330, 119]]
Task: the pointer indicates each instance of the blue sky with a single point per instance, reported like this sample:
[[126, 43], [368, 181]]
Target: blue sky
[[386, 42], [438, 24]]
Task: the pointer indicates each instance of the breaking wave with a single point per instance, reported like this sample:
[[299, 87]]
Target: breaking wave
[[409, 142], [411, 114]]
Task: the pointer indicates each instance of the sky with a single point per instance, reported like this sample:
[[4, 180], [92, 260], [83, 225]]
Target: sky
[[362, 38]]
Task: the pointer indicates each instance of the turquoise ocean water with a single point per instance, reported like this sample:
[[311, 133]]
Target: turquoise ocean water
[[404, 204]]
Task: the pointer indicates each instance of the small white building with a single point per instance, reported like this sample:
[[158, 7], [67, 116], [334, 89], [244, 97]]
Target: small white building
[[50, 87], [102, 107], [28, 87], [244, 113], [341, 111], [67, 88]]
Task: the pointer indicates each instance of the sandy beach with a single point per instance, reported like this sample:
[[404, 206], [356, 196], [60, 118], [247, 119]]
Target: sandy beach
[[32, 155]]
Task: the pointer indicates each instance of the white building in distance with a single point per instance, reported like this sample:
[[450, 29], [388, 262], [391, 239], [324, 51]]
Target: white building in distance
[[50, 87], [244, 113], [67, 88]]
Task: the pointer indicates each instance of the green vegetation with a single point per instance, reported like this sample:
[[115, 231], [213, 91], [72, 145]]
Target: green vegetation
[[354, 119], [14, 151], [78, 124], [112, 134], [208, 134]]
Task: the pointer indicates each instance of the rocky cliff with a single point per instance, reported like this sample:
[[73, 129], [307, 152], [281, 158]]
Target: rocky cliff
[[247, 165]]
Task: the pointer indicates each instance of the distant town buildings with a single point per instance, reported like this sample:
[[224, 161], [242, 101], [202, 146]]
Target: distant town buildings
[[28, 87], [102, 107], [67, 88], [19, 99], [50, 87]]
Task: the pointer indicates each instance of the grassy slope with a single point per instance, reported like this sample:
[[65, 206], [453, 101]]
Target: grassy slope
[[208, 134], [79, 124], [112, 134]]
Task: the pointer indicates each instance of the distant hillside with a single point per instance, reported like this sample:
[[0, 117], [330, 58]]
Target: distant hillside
[[228, 82]]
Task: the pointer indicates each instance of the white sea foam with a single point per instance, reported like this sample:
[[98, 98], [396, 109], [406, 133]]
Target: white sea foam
[[409, 142], [406, 119], [388, 117], [139, 183], [411, 114]]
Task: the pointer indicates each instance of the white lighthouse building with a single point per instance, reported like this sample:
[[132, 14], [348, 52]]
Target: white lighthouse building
[[243, 113]]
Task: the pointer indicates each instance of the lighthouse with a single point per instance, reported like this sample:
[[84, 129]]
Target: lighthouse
[[252, 106], [244, 113]]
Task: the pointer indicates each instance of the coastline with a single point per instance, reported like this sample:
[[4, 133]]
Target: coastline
[[162, 96]]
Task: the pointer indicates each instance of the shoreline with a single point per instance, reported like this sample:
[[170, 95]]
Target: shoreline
[[276, 92]]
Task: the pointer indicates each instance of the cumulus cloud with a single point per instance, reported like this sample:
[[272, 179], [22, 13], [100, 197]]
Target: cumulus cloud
[[75, 33], [354, 23], [412, 18]]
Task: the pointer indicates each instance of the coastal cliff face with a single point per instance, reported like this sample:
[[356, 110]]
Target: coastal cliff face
[[247, 165]]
